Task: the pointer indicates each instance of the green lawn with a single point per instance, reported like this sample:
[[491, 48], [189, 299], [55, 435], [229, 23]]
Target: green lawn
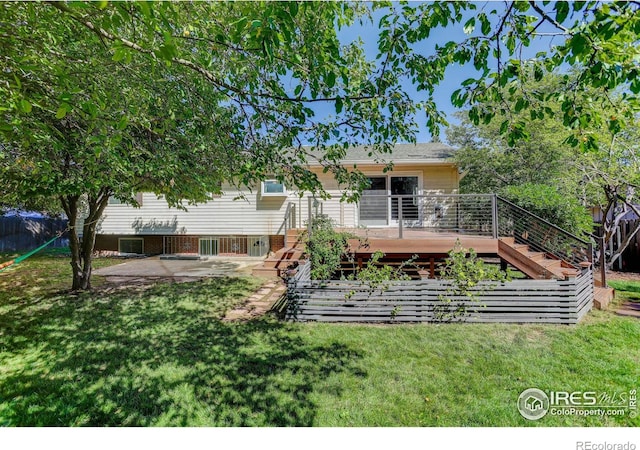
[[162, 356]]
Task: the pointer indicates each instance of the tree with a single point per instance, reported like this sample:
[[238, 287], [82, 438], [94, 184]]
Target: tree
[[547, 175], [612, 176], [599, 40], [80, 128], [173, 97], [89, 114], [490, 164]]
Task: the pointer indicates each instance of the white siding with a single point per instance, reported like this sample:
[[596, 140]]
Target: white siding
[[224, 215], [255, 215]]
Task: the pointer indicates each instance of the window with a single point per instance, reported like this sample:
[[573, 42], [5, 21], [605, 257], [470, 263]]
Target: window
[[273, 188], [131, 245], [117, 201], [208, 246]]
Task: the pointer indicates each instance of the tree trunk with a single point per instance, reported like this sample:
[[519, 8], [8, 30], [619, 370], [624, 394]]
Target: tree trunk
[[82, 249], [624, 244]]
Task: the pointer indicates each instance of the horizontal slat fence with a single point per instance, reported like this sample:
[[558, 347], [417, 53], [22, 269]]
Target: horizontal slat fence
[[518, 301]]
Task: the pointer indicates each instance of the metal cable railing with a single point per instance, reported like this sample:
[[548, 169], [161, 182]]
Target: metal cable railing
[[400, 216], [541, 235], [469, 214]]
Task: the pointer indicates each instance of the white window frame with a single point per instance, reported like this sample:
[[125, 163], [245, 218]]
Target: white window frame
[[210, 240], [113, 201], [395, 173], [130, 239], [263, 193]]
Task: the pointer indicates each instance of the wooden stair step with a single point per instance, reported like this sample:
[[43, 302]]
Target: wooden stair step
[[294, 237], [534, 268], [549, 263], [265, 272], [535, 256], [602, 296], [280, 261]]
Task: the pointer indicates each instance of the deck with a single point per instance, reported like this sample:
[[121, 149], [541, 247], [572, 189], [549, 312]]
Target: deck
[[558, 265], [417, 241]]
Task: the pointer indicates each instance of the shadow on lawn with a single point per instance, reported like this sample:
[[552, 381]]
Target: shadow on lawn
[[158, 356]]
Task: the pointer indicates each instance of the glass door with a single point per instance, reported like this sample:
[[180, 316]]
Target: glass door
[[374, 206], [408, 187]]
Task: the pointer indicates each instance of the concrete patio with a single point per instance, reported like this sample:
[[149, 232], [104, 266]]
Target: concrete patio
[[181, 269]]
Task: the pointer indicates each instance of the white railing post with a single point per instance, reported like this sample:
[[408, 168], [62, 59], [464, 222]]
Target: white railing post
[[310, 213], [400, 217], [494, 215]]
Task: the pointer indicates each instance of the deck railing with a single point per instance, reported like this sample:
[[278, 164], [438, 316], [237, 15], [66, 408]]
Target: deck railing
[[290, 219], [467, 214], [541, 235], [397, 216]]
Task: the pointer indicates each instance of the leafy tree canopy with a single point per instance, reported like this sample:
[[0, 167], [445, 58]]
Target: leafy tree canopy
[[548, 176], [102, 99], [599, 40]]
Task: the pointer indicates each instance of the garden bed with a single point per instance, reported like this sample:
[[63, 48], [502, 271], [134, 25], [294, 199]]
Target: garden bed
[[516, 301]]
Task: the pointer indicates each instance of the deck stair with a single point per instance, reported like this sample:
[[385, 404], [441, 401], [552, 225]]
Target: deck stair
[[537, 265], [276, 264]]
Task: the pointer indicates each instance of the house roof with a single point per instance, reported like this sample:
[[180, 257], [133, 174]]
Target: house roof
[[428, 152]]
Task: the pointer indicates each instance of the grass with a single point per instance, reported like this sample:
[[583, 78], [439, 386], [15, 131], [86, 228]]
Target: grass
[[629, 290], [161, 356]]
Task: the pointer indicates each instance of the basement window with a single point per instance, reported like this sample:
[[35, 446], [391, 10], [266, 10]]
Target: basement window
[[273, 188], [131, 245]]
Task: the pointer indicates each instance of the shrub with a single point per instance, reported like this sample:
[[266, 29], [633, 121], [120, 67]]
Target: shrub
[[466, 272], [326, 248], [545, 201]]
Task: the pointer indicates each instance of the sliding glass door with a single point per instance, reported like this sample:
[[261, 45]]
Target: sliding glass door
[[374, 209], [408, 188], [377, 208]]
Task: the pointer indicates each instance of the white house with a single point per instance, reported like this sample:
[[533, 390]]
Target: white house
[[256, 224]]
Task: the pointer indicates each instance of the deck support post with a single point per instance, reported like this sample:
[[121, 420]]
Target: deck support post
[[494, 216], [603, 265]]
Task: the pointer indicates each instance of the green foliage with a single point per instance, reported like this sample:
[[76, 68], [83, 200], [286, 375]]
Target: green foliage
[[107, 99], [545, 201], [605, 177], [326, 248], [110, 99], [375, 273], [376, 276], [599, 40], [470, 277]]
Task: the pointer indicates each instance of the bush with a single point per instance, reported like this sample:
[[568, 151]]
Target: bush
[[326, 248], [545, 201]]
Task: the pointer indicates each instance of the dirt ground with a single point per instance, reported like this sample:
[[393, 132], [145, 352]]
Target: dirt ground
[[622, 276]]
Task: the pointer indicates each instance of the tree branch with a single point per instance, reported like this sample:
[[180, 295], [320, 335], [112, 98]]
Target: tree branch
[[103, 34], [548, 18]]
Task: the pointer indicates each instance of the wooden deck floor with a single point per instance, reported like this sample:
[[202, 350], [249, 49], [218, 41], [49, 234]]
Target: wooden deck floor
[[418, 241]]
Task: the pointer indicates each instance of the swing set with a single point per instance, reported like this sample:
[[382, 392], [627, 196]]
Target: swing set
[[19, 259]]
